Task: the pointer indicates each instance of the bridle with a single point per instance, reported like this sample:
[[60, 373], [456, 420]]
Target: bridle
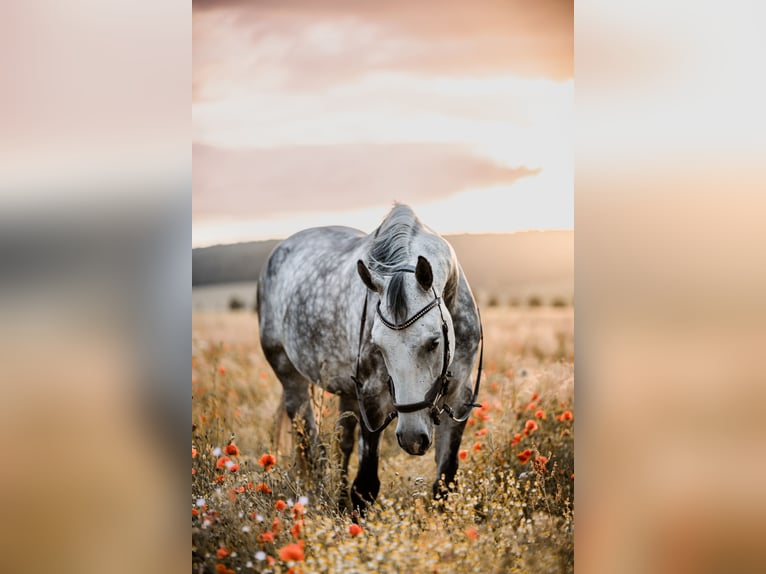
[[440, 386]]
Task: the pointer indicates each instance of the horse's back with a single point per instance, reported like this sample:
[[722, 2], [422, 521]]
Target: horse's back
[[302, 291]]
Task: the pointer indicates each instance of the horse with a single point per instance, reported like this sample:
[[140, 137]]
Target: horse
[[386, 321]]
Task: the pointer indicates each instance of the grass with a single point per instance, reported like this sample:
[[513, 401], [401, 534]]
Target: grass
[[507, 514]]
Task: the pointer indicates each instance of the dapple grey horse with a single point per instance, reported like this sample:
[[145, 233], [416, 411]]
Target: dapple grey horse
[[388, 322]]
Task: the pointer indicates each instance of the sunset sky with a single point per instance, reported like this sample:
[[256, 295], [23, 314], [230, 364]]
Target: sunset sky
[[314, 113]]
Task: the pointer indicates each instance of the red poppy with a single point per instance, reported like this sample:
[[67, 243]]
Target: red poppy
[[516, 439], [194, 471], [195, 512], [296, 528], [566, 416], [222, 370], [355, 530], [240, 490], [540, 414], [534, 397], [267, 461], [524, 456], [280, 505], [266, 537], [234, 467], [532, 406], [263, 487], [232, 449], [194, 452], [221, 462], [540, 463], [222, 569], [482, 432], [471, 533], [219, 478], [462, 454], [297, 510], [222, 553], [291, 552], [477, 446], [530, 427], [276, 526]]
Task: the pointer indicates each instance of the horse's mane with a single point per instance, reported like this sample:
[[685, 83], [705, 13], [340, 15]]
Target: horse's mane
[[390, 249]]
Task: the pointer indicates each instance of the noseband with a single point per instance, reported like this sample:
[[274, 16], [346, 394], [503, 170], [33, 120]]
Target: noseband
[[440, 386]]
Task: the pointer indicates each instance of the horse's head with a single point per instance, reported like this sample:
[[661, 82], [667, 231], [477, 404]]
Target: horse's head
[[413, 331]]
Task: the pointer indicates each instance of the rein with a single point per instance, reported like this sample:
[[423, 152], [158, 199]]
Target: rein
[[438, 390]]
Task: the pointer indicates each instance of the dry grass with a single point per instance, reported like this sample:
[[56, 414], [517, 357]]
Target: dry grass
[[505, 516]]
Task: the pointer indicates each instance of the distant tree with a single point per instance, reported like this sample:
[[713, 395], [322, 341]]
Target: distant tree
[[534, 301], [235, 303], [559, 302], [493, 301], [514, 302]]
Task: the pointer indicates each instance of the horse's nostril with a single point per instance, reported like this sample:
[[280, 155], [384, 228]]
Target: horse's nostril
[[425, 441]]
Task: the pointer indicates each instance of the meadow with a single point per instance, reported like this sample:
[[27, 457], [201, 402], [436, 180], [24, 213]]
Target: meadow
[[258, 507]]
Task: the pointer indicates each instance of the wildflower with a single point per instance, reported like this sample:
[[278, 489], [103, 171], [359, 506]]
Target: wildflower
[[267, 461], [296, 528], [194, 452], [565, 416], [221, 462], [270, 560], [276, 526], [540, 414], [222, 569], [470, 422], [222, 370], [534, 397], [195, 512], [240, 489], [471, 533], [516, 439], [280, 505], [217, 451], [246, 528], [200, 502], [260, 556], [266, 537], [232, 449], [477, 446], [291, 552], [194, 471], [532, 406], [482, 432], [233, 468], [222, 553], [297, 510], [263, 487], [219, 479], [572, 477], [540, 463], [355, 530], [462, 454], [524, 456], [303, 500], [530, 427]]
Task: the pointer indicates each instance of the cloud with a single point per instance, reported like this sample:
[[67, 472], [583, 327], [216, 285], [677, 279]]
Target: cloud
[[307, 45], [247, 182]]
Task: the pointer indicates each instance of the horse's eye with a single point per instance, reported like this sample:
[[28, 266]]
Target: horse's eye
[[432, 344]]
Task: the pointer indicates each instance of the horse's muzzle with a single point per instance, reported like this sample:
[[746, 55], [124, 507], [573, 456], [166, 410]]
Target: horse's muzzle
[[416, 443]]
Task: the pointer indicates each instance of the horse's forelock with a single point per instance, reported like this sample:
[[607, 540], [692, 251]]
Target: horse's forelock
[[397, 297]]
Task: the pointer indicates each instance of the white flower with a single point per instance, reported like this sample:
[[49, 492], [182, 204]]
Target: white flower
[[228, 464], [245, 528], [200, 502], [290, 502], [259, 518], [260, 556], [217, 451], [304, 500], [248, 564]]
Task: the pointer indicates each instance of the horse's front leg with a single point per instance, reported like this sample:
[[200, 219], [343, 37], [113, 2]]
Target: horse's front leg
[[448, 436], [367, 484]]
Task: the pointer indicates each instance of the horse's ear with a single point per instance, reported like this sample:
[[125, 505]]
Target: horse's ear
[[367, 279], [423, 273]]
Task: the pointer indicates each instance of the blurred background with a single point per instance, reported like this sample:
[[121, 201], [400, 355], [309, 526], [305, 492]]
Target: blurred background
[[95, 181]]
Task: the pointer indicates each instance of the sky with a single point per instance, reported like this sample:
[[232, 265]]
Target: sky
[[313, 113]]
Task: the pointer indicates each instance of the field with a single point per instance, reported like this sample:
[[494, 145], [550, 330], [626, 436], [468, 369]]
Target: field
[[513, 507]]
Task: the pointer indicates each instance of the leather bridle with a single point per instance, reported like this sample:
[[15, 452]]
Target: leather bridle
[[440, 386]]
